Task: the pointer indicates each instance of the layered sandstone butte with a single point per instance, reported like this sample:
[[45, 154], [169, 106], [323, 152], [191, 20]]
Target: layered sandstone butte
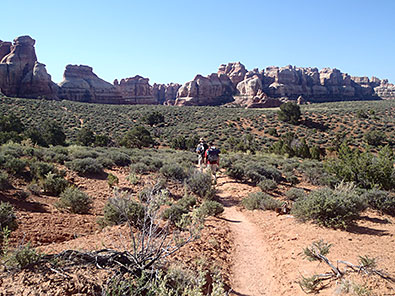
[[275, 85], [21, 75], [215, 89], [166, 93], [136, 90], [82, 85]]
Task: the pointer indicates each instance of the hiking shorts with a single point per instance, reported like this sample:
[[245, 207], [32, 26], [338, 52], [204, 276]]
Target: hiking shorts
[[213, 167]]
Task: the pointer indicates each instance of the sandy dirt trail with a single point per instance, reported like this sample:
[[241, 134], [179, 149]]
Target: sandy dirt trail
[[251, 272]]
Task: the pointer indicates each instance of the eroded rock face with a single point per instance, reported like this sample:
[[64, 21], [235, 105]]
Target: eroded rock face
[[166, 93], [215, 89], [136, 90], [82, 85], [235, 72], [5, 49], [21, 75]]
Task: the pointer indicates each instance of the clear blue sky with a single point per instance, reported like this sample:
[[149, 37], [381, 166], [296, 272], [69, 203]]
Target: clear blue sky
[[173, 40]]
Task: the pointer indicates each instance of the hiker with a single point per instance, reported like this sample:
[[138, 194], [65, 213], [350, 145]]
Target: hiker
[[201, 150], [212, 160]]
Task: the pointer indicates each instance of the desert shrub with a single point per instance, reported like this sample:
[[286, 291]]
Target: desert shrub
[[258, 171], [7, 217], [105, 162], [112, 180], [52, 133], [154, 118], [39, 169], [85, 166], [119, 158], [85, 137], [179, 142], [380, 200], [330, 207], [314, 172], [295, 194], [252, 202], [174, 213], [34, 189], [102, 141], [267, 185], [289, 112], [236, 171], [173, 171], [153, 163], [133, 178], [316, 152], [210, 208], [54, 184], [14, 166], [200, 184], [139, 168], [83, 152], [4, 182], [75, 201], [375, 138], [137, 137], [119, 210], [260, 200], [291, 178], [363, 168], [23, 257], [187, 201], [272, 131]]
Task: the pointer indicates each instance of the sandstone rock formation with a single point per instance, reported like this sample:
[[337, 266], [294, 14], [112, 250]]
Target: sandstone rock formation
[[82, 85], [136, 90], [215, 89], [21, 75], [235, 71], [20, 72], [166, 93]]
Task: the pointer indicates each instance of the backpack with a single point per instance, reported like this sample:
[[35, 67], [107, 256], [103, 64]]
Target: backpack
[[213, 154], [201, 149]]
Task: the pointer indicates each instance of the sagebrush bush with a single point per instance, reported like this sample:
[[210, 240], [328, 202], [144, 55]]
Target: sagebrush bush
[[112, 180], [74, 201], [260, 200], [34, 189], [174, 213], [330, 207], [39, 169], [14, 166], [236, 171], [173, 171], [365, 169], [295, 193], [54, 184], [200, 184], [139, 168], [210, 208], [267, 185], [23, 257], [380, 200], [4, 182], [119, 210], [119, 158], [85, 166], [187, 201], [7, 217]]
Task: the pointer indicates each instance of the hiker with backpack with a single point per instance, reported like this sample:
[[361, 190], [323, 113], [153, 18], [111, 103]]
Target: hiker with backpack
[[201, 150], [212, 160]]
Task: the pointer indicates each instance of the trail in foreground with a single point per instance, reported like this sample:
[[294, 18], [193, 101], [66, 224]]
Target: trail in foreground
[[251, 261]]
